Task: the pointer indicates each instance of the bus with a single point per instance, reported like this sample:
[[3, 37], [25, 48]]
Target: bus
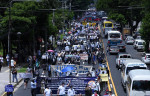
[[138, 83], [107, 26], [114, 37]]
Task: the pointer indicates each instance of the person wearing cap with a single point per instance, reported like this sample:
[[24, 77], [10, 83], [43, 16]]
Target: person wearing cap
[[71, 91], [61, 89], [47, 92]]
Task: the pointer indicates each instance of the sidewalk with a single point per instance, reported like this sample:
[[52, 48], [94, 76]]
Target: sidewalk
[[4, 80]]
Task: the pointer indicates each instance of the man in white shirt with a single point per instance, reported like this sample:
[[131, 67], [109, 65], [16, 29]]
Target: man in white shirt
[[33, 87], [61, 89], [71, 91], [97, 86], [47, 92]]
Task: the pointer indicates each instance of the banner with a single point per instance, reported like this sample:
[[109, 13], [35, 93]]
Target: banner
[[83, 56], [25, 75], [77, 68], [78, 83]]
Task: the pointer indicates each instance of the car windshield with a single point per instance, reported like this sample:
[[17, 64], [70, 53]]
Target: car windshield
[[132, 68], [115, 36], [108, 25], [140, 43], [147, 56], [141, 85], [125, 56]]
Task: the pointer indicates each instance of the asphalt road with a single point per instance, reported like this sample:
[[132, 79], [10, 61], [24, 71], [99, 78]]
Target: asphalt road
[[116, 74]]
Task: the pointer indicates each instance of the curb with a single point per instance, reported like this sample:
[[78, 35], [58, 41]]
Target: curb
[[5, 93]]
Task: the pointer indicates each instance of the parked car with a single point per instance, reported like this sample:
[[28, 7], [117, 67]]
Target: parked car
[[129, 40], [122, 47], [146, 58], [121, 58], [113, 49]]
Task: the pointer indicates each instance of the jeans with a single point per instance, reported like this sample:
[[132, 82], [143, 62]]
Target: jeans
[[15, 77]]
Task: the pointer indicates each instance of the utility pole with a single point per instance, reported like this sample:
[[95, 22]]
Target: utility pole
[[9, 41]]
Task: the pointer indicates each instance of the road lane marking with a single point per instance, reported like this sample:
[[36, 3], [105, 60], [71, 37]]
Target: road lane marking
[[108, 68]]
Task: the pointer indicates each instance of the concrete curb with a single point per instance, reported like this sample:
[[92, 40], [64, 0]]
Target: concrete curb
[[5, 93]]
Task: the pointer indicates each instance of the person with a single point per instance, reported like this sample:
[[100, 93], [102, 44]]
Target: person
[[14, 73], [61, 89], [47, 92], [33, 87], [25, 83], [12, 62], [107, 49], [88, 91], [71, 91], [95, 93], [0, 66], [89, 74], [110, 93], [7, 58], [97, 87], [49, 71]]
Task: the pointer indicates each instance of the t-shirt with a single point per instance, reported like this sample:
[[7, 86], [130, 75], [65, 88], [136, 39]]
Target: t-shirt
[[71, 92], [12, 62], [62, 90], [33, 84], [47, 92]]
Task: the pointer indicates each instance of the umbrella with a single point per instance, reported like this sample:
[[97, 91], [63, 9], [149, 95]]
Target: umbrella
[[69, 32], [50, 50], [68, 68]]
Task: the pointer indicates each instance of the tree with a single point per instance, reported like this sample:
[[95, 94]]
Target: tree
[[145, 28], [129, 10], [23, 20]]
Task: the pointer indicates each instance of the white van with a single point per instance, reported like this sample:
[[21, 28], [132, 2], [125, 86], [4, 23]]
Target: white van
[[138, 83], [129, 65], [139, 44]]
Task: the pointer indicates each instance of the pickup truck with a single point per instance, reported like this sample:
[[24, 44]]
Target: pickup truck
[[122, 57]]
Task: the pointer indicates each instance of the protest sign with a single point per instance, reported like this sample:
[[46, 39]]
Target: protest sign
[[25, 75], [77, 68], [83, 56], [78, 83]]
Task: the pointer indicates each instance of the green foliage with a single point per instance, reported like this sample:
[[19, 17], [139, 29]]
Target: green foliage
[[118, 18], [22, 70], [127, 10]]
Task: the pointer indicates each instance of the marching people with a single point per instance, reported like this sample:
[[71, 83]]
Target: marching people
[[61, 89], [97, 86], [33, 88], [95, 93], [71, 91], [47, 92], [88, 91]]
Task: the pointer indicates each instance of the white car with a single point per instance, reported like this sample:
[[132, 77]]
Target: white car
[[129, 40], [139, 44], [146, 58], [121, 58]]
